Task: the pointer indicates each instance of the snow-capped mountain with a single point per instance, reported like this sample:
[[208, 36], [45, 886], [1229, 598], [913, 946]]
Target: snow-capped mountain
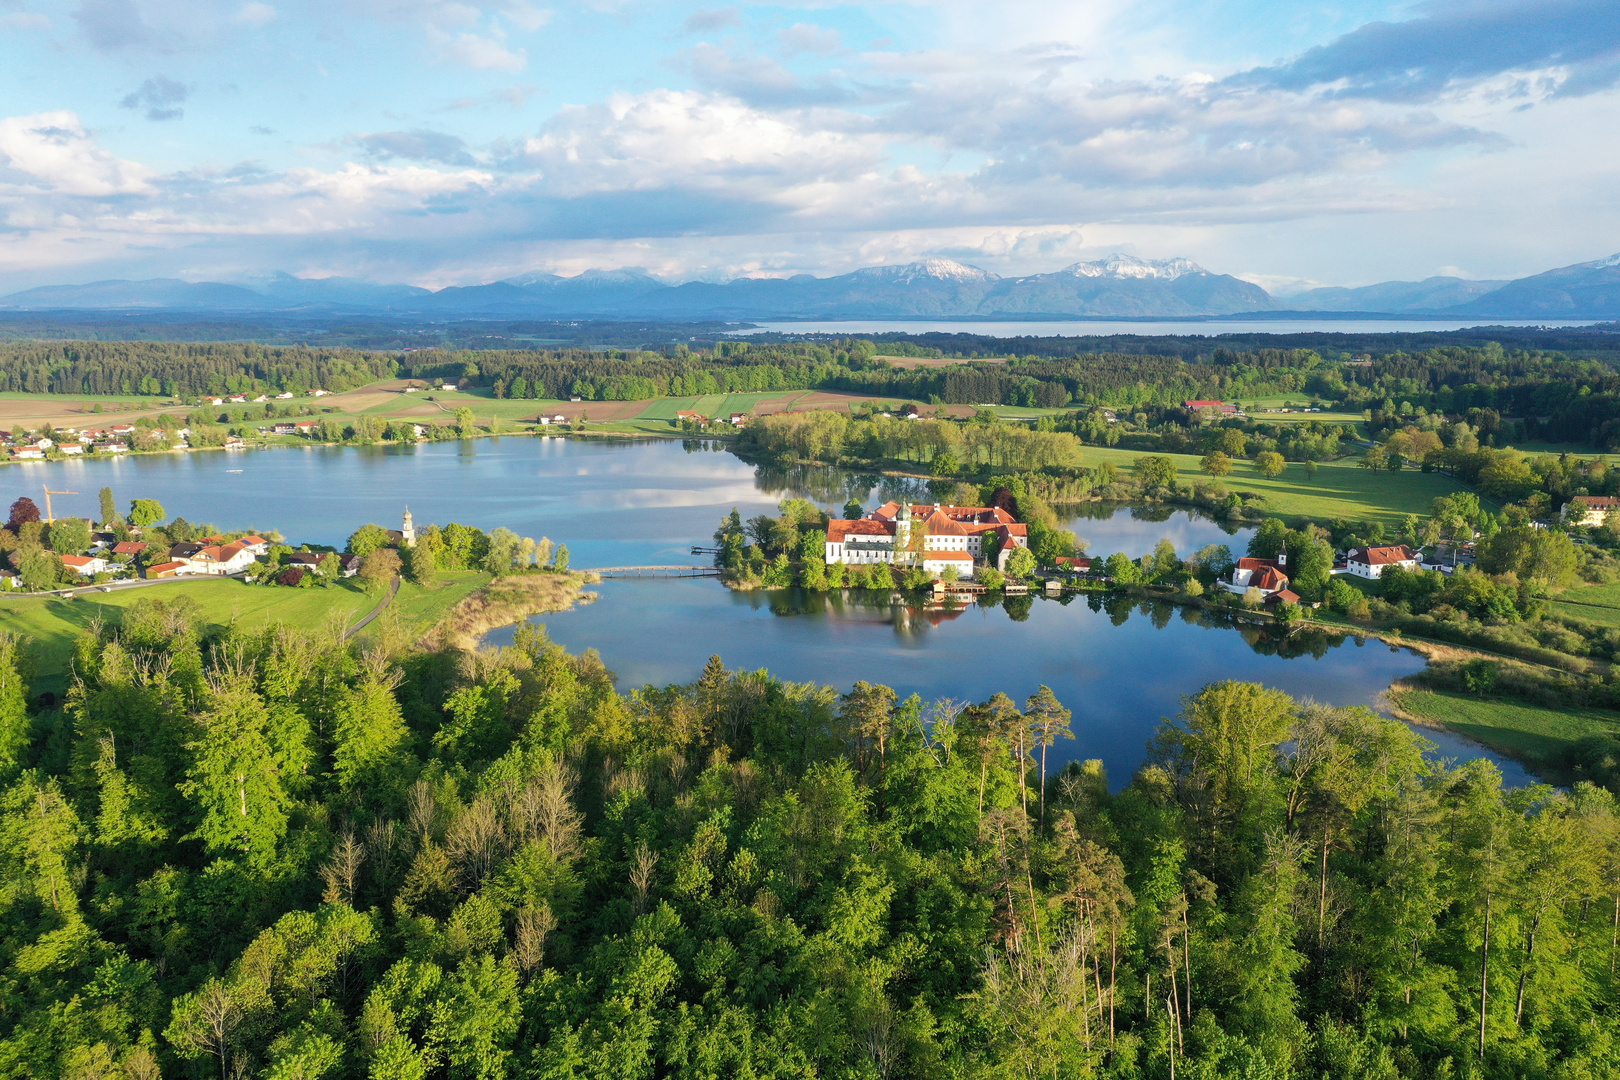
[[1129, 266]]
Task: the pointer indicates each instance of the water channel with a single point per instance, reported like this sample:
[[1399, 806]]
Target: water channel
[[1119, 666]]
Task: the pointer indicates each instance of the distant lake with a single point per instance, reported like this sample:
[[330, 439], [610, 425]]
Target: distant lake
[[1110, 327]]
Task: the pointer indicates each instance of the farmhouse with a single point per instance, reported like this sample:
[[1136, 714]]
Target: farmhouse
[[933, 537], [1591, 510], [1217, 406], [216, 559], [1371, 562]]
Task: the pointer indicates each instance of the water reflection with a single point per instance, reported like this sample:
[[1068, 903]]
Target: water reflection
[[1120, 663]]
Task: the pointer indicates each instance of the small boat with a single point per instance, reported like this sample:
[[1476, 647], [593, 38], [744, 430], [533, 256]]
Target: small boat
[[233, 470]]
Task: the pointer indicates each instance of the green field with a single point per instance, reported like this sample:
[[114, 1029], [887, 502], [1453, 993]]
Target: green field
[[1534, 734], [54, 622], [1598, 604], [1340, 489]]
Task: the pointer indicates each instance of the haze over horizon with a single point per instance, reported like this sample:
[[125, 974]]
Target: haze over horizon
[[441, 142]]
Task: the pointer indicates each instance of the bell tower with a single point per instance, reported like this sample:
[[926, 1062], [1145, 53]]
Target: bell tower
[[407, 530]]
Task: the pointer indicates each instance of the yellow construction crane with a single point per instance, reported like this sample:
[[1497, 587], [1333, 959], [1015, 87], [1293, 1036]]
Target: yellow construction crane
[[50, 517]]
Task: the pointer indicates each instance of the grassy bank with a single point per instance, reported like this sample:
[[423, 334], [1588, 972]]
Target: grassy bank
[[1537, 735], [54, 622], [1339, 489]]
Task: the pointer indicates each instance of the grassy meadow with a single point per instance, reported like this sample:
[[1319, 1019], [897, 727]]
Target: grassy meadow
[[53, 622], [1534, 734], [1340, 489]]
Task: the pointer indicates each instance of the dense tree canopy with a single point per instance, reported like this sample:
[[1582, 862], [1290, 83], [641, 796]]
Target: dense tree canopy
[[269, 853]]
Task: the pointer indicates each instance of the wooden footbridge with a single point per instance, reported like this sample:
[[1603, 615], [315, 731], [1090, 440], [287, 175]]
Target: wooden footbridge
[[653, 571]]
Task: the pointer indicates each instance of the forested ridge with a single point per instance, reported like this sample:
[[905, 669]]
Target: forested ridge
[[272, 854], [1557, 396]]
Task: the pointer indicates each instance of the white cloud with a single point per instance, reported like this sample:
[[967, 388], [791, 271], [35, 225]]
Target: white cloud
[[255, 13], [24, 20], [486, 53], [52, 153], [670, 138], [809, 38]]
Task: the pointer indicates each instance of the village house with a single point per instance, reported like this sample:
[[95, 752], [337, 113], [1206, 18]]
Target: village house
[[10, 579], [1588, 510], [131, 548], [235, 442], [684, 415], [71, 448], [284, 395], [350, 563], [88, 565], [217, 559], [28, 453], [553, 418], [111, 448], [306, 427], [933, 537], [256, 544], [286, 427], [1221, 407], [1268, 575], [1371, 562], [173, 568]]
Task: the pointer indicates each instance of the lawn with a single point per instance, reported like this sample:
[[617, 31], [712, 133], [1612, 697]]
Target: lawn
[[1340, 489], [1534, 734], [1593, 603], [54, 622]]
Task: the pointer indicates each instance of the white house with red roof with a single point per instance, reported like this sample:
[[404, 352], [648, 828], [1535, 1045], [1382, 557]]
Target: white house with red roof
[[1268, 575], [1591, 510], [935, 537], [220, 559], [1371, 562], [88, 565]]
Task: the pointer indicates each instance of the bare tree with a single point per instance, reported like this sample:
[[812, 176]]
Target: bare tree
[[342, 870], [533, 924], [561, 824], [422, 810], [475, 841], [641, 872], [382, 844]]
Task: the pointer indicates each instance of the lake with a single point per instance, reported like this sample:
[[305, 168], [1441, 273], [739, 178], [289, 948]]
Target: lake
[[647, 502], [1109, 327], [1119, 666]]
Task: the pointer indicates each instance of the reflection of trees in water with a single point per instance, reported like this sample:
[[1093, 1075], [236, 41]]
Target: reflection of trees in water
[[909, 616], [826, 484], [704, 446]]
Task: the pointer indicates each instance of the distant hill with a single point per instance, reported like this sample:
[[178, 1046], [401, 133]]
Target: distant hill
[[1120, 286], [170, 293], [1589, 290], [1430, 294]]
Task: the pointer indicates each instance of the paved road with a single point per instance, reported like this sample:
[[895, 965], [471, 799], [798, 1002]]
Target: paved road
[[393, 591]]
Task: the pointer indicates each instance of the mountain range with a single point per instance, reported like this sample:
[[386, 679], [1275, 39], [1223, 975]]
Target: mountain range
[[1119, 286]]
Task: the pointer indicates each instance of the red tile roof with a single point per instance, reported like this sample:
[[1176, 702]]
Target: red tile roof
[[1597, 502], [1283, 596], [1248, 563], [77, 560], [129, 547], [947, 556], [1384, 556], [164, 568], [838, 529], [1268, 577]]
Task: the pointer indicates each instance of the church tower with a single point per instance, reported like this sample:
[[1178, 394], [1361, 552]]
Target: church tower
[[407, 530]]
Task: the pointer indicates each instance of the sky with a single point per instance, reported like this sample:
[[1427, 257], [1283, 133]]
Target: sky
[[440, 142]]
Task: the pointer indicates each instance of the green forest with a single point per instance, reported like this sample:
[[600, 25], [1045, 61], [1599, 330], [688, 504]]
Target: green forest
[[1562, 396], [273, 854]]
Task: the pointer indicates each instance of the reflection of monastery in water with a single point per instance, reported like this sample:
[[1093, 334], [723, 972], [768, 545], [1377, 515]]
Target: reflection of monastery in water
[[935, 537]]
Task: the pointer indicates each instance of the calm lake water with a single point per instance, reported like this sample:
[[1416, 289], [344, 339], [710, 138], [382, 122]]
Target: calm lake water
[[1120, 668]]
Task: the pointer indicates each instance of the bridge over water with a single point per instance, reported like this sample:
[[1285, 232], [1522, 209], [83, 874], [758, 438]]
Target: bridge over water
[[653, 571]]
